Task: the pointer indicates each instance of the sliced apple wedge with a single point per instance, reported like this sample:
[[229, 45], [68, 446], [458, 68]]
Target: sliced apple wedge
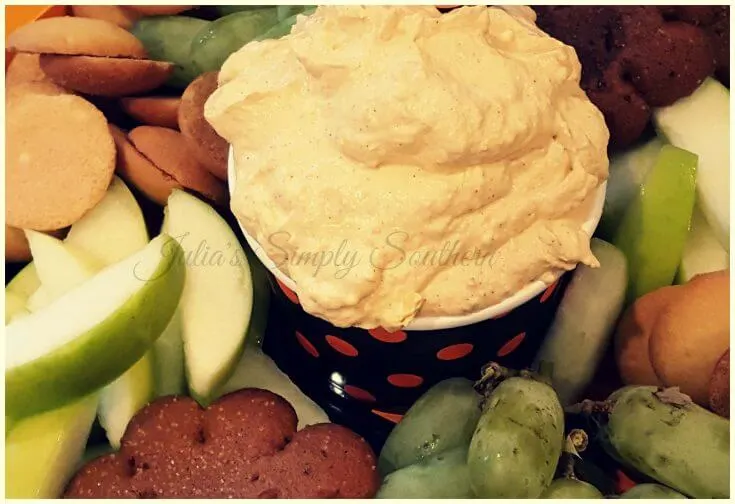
[[112, 230], [15, 306], [655, 227], [217, 302], [42, 452], [18, 291], [109, 233], [168, 360], [121, 399], [25, 283], [702, 252], [700, 123], [580, 333], [59, 269], [628, 171], [90, 336]]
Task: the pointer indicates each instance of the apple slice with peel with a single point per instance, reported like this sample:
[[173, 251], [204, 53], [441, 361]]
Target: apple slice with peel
[[702, 252], [121, 399], [17, 292], [628, 171], [656, 225], [15, 306], [112, 230], [93, 334], [168, 360], [25, 283], [42, 452], [59, 269], [700, 123], [217, 302], [586, 317]]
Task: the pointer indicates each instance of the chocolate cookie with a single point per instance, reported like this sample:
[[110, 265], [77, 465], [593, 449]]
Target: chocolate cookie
[[245, 445], [636, 58]]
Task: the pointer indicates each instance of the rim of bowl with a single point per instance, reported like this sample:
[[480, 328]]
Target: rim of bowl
[[431, 323]]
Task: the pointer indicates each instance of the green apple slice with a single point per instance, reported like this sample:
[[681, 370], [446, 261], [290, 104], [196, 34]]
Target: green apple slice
[[90, 336], [25, 283], [121, 399], [700, 123], [59, 269], [580, 333], [112, 230], [257, 370], [217, 302], [42, 452], [702, 252], [15, 306], [628, 171], [168, 360], [655, 227], [18, 291]]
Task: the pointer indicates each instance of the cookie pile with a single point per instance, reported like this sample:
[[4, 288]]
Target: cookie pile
[[637, 58], [85, 101]]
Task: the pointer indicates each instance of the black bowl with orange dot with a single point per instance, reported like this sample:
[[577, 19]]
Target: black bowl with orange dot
[[367, 379]]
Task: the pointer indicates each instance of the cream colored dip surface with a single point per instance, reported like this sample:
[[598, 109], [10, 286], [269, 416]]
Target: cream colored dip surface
[[396, 162]]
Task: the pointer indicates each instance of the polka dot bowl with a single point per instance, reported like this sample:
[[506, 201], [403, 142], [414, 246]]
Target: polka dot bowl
[[366, 380]]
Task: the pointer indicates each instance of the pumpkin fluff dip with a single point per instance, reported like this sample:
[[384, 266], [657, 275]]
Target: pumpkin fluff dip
[[397, 162]]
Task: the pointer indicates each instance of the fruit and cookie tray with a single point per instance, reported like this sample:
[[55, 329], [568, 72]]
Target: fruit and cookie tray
[[367, 252]]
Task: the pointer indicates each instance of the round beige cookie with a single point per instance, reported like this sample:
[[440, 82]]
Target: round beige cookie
[[209, 148], [39, 87], [169, 150], [123, 17], [76, 36], [111, 77], [59, 160], [140, 172], [153, 110]]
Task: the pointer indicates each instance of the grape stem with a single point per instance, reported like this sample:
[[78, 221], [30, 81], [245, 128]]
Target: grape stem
[[492, 375], [576, 442]]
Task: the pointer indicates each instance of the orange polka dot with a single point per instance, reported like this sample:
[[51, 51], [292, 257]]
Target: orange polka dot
[[291, 295], [341, 346], [454, 352], [511, 345], [307, 345], [359, 394], [549, 291], [405, 380], [624, 483], [391, 417], [381, 334]]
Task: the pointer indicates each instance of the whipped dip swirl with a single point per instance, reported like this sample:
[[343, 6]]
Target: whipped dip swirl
[[396, 162]]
